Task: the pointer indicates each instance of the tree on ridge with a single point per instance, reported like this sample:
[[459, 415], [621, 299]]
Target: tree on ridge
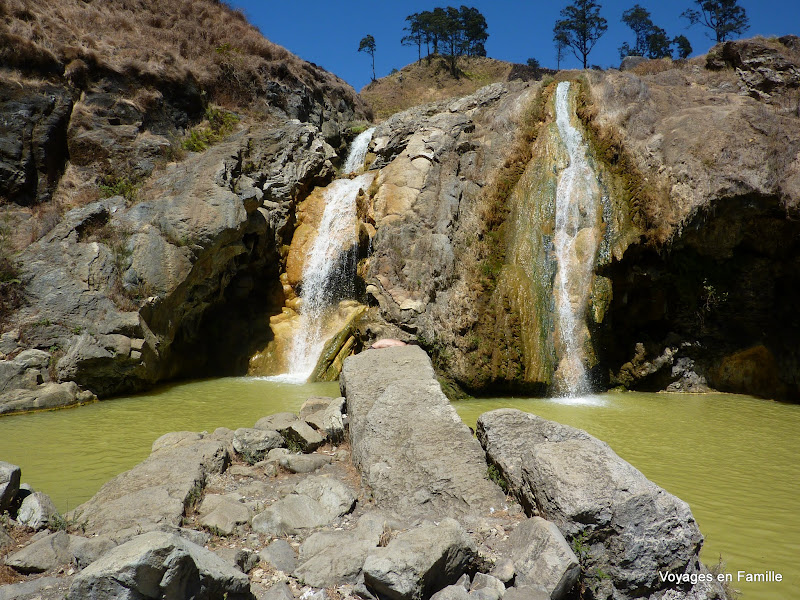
[[724, 17], [367, 45], [580, 28]]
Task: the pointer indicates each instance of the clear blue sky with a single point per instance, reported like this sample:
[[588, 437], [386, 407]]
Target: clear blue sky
[[328, 32]]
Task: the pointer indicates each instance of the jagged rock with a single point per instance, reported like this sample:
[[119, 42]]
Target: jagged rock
[[301, 434], [153, 494], [223, 513], [329, 420], [542, 557], [632, 527], [159, 564], [304, 463], [432, 467], [762, 68], [56, 549], [9, 484], [36, 511], [280, 555], [420, 562], [253, 444], [629, 62]]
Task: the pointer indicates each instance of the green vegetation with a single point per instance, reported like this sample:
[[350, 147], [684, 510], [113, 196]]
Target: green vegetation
[[453, 32], [723, 17], [367, 45], [651, 40], [494, 474], [116, 185], [580, 28], [220, 123], [587, 579]]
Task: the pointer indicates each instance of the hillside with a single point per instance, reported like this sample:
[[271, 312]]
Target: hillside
[[430, 80]]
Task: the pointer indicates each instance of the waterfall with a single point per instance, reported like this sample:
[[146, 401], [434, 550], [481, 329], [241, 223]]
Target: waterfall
[[330, 264], [576, 240], [358, 151]]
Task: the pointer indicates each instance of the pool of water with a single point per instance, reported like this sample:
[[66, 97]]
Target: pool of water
[[733, 458]]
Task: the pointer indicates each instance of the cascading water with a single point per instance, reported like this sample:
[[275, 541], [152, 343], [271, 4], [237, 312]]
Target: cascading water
[[330, 263], [576, 241]]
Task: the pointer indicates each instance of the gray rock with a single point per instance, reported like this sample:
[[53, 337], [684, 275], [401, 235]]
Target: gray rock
[[504, 570], [44, 396], [43, 588], [36, 511], [154, 494], [452, 592], [290, 515], [486, 587], [9, 484], [279, 591], [632, 528], [420, 562], [279, 422], [280, 555], [334, 496], [410, 444], [243, 559], [254, 444], [159, 564], [330, 420], [223, 513], [43, 554], [33, 359], [526, 593], [629, 62], [302, 435], [332, 558], [304, 463], [314, 404], [542, 557], [5, 539]]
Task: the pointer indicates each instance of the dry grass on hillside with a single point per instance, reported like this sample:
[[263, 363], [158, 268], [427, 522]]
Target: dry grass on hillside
[[431, 80], [153, 40]]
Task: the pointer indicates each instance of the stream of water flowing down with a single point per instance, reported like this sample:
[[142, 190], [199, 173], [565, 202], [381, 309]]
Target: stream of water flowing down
[[328, 275], [576, 240]]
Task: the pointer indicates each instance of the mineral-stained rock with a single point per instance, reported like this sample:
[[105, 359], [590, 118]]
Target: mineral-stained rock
[[413, 449], [421, 561], [632, 528], [154, 493], [163, 565], [542, 557], [36, 511], [9, 484]]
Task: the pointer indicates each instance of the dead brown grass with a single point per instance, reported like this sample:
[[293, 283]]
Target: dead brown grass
[[154, 41], [429, 81]]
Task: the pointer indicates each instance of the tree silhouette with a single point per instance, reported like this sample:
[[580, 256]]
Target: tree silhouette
[[682, 46], [724, 17], [367, 45], [580, 28]]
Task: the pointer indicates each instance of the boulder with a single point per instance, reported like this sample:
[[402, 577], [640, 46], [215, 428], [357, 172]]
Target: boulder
[[223, 513], [542, 557], [304, 463], [334, 496], [486, 587], [452, 592], [302, 436], [154, 494], [279, 422], [36, 511], [43, 588], [528, 592], [280, 555], [420, 562], [9, 484], [410, 444], [160, 565], [631, 528], [59, 548], [253, 444], [315, 404], [333, 558], [44, 396], [329, 420]]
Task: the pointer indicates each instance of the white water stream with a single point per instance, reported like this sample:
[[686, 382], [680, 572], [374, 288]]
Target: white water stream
[[576, 243], [327, 275]]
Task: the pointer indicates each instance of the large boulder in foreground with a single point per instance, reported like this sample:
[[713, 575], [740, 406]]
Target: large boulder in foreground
[[627, 526], [160, 565], [410, 444]]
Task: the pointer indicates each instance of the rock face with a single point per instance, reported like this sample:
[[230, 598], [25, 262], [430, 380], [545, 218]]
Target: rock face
[[412, 448], [160, 565], [629, 527], [154, 494]]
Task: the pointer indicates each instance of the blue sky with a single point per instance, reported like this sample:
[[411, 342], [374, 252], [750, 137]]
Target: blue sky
[[328, 32]]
